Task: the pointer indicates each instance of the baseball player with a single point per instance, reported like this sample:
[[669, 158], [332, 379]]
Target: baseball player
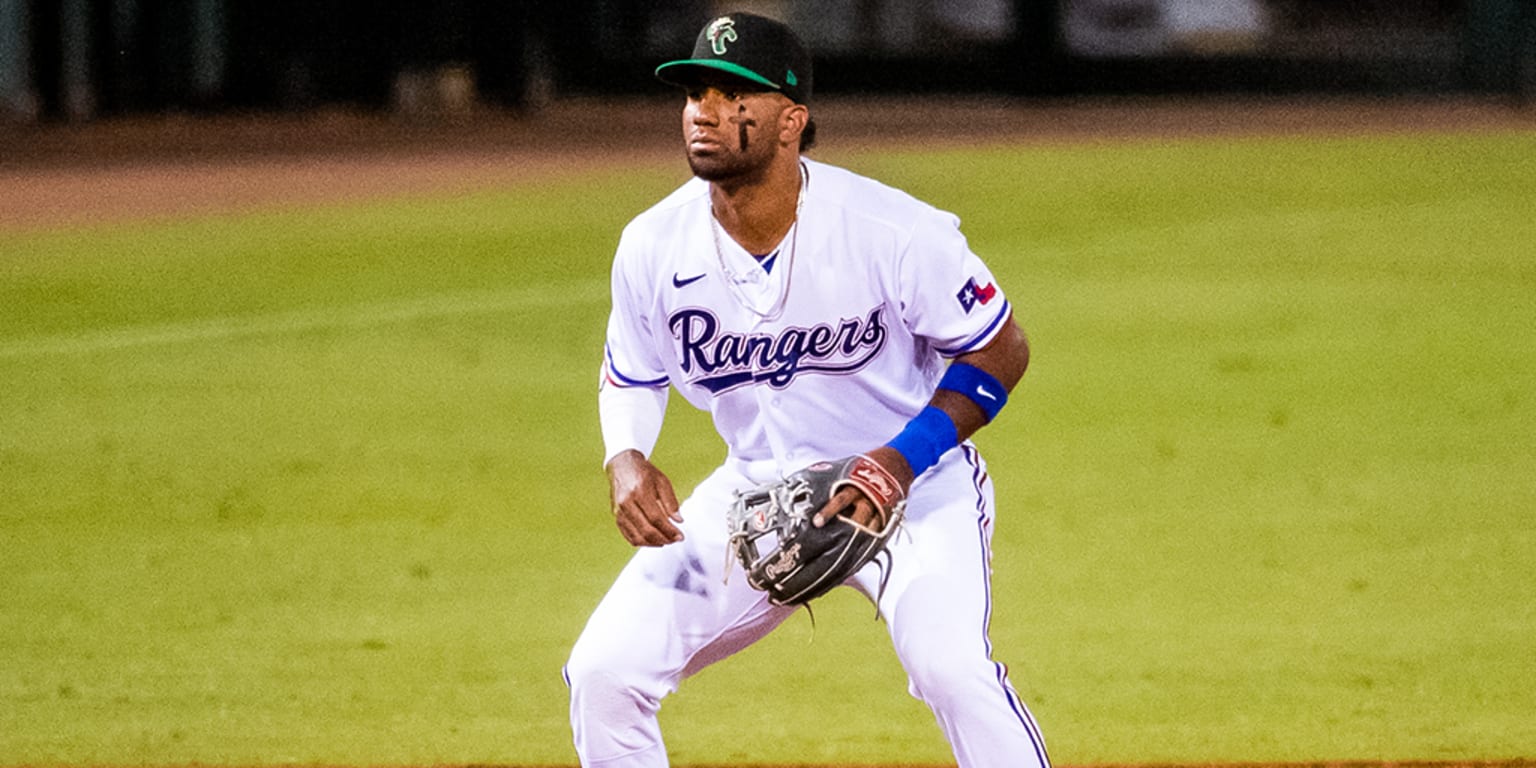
[[816, 315]]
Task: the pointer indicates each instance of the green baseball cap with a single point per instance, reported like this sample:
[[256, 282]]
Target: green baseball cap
[[753, 48]]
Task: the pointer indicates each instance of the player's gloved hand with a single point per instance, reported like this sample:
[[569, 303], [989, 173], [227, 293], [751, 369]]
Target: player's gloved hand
[[644, 504], [858, 506], [782, 551]]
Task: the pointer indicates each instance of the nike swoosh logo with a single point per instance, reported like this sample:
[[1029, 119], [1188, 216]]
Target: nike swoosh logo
[[984, 393], [679, 282]]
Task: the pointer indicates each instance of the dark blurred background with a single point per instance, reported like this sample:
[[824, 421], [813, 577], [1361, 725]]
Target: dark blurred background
[[78, 60]]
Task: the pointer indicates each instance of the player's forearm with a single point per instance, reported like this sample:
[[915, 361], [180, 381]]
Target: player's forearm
[[969, 396], [630, 418], [1004, 360]]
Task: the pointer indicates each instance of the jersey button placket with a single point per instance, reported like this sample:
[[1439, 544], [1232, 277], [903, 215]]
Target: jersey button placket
[[769, 402]]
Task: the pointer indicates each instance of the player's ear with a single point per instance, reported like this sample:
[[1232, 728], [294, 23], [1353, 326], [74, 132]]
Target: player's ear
[[792, 121]]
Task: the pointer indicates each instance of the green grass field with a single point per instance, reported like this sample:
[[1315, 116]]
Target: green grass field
[[322, 486]]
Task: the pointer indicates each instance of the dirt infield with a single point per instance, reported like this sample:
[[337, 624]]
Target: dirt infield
[[62, 175], [1510, 763], [1516, 763]]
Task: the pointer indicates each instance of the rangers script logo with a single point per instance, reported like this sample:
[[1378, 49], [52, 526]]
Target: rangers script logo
[[720, 361]]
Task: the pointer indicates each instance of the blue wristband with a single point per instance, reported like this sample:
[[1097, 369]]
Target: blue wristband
[[980, 387], [925, 438]]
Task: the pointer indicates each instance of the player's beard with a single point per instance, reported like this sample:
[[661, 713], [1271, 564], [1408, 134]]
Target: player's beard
[[728, 165]]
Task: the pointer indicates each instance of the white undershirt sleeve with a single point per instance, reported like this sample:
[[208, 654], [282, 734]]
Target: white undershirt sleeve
[[631, 418]]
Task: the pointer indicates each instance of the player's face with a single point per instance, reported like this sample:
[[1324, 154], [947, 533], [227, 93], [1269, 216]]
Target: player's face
[[731, 133]]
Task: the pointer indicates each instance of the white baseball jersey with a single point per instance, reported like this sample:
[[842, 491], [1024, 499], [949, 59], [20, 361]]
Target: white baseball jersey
[[828, 353]]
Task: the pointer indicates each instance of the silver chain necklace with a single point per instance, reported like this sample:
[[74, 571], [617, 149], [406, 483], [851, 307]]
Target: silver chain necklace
[[793, 236]]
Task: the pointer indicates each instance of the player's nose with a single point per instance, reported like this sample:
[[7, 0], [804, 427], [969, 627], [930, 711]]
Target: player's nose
[[708, 108]]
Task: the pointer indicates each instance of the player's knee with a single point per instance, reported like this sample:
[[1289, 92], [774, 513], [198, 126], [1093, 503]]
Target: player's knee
[[601, 695], [590, 674], [937, 676], [612, 718], [601, 684], [944, 659]]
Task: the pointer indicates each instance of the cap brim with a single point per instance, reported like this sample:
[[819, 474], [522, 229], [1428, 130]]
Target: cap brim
[[690, 71]]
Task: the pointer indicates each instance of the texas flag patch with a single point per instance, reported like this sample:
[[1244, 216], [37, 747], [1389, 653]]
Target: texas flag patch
[[971, 294]]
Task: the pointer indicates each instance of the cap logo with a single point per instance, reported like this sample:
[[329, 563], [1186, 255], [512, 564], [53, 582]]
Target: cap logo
[[789, 77], [720, 32]]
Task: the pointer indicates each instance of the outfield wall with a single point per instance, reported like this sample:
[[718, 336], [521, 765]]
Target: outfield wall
[[84, 59]]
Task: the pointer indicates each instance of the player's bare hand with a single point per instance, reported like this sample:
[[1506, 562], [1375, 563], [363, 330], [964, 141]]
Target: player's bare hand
[[644, 504], [852, 503]]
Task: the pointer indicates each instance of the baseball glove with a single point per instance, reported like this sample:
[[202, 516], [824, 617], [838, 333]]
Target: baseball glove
[[792, 560]]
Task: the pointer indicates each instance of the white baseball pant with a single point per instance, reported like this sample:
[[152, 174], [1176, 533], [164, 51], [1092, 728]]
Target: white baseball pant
[[670, 614]]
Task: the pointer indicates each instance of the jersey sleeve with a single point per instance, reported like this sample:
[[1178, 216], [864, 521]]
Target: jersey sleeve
[[949, 296], [629, 351]]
